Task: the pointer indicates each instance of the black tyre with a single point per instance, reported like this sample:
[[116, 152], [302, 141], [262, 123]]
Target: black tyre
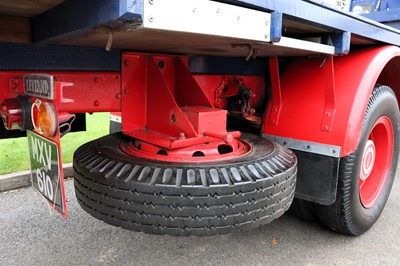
[[181, 198], [366, 176]]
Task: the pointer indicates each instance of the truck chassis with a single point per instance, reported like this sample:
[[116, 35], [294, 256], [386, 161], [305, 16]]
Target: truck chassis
[[232, 111]]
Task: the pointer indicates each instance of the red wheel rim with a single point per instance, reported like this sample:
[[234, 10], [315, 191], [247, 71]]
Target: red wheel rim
[[376, 161], [206, 152]]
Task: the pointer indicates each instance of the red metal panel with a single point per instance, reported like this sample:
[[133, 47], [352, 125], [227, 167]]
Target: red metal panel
[[206, 119], [148, 101], [133, 97], [188, 92], [163, 113], [89, 92], [276, 97], [157, 91], [330, 97], [303, 97]]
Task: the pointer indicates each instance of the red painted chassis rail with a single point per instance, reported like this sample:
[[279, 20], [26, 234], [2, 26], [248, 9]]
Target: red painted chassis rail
[[160, 100], [88, 92]]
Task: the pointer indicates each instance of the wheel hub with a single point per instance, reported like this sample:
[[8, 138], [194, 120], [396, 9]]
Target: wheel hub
[[368, 160], [376, 161], [204, 152]]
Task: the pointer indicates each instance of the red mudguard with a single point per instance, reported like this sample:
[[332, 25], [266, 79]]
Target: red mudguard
[[305, 96]]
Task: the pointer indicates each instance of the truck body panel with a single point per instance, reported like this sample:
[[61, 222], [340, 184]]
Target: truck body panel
[[351, 94]]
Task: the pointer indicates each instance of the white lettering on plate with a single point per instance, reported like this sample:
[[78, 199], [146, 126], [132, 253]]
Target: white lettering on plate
[[44, 184], [41, 152], [38, 86]]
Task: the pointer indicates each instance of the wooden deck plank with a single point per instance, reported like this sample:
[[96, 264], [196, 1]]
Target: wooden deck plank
[[26, 8], [14, 29]]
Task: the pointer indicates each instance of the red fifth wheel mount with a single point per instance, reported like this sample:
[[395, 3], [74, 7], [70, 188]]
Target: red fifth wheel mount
[[175, 169]]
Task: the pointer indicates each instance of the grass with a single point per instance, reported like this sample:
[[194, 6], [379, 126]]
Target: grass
[[14, 152]]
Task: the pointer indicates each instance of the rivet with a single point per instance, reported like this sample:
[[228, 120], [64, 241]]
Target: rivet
[[118, 96], [151, 2], [182, 135], [266, 36], [194, 10], [161, 64], [217, 10], [96, 103], [95, 79], [126, 63], [238, 17], [151, 19], [126, 91]]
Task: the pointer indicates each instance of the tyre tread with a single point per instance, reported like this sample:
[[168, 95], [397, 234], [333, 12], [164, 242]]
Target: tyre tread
[[184, 199]]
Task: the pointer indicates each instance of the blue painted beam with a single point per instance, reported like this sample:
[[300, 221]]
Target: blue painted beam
[[385, 15], [63, 58], [276, 26], [341, 41], [313, 12], [227, 65], [77, 17]]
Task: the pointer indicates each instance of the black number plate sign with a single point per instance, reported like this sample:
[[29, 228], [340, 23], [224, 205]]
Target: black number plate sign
[[39, 85], [47, 178]]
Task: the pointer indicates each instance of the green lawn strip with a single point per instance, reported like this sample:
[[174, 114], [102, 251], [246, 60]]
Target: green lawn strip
[[14, 152]]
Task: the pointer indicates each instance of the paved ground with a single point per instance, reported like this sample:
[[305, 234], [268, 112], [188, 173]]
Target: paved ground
[[33, 235]]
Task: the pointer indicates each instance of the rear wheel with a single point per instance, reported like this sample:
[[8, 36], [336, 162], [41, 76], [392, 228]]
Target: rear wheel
[[366, 176], [180, 198]]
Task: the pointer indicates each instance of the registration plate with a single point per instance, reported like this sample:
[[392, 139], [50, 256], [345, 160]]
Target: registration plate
[[47, 178]]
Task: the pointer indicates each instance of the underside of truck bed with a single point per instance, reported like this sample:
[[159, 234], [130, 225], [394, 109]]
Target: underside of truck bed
[[300, 27]]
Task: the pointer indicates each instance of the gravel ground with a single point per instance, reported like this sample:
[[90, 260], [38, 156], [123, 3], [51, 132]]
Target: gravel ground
[[32, 234]]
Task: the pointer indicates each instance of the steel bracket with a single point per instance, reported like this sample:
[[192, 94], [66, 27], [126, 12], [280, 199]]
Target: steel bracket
[[330, 101], [276, 97]]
